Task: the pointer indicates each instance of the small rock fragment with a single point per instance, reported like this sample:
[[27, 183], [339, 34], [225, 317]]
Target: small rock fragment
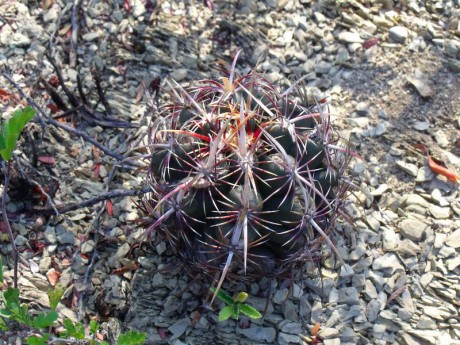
[[398, 34], [266, 334], [421, 85], [413, 229], [453, 240]]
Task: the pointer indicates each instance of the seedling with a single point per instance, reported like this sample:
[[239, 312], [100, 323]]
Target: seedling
[[13, 310], [235, 306], [11, 129]]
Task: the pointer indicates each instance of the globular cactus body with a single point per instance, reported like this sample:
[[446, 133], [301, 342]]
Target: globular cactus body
[[245, 179]]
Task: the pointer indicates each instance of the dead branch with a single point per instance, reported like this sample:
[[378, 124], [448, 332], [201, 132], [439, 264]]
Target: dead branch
[[116, 193], [74, 38], [50, 120], [92, 116], [6, 170]]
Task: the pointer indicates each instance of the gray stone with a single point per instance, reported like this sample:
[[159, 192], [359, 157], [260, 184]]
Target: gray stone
[[266, 334], [67, 237], [438, 199], [372, 310], [408, 168], [441, 139], [380, 128], [292, 328], [388, 263], [390, 239], [413, 229], [362, 108], [453, 240], [285, 339], [316, 312], [91, 36], [87, 247], [319, 16], [421, 85], [426, 322], [304, 308], [407, 339], [424, 174], [259, 54], [328, 333], [453, 263], [51, 15], [20, 240], [421, 125], [138, 8], [281, 296], [414, 199], [405, 314], [179, 328], [359, 167], [50, 235], [348, 335], [342, 55], [19, 40], [45, 264], [452, 48], [323, 67], [158, 280], [370, 291], [407, 247], [122, 250], [346, 271], [290, 311], [348, 295], [350, 37], [190, 61], [398, 34], [179, 74], [439, 212]]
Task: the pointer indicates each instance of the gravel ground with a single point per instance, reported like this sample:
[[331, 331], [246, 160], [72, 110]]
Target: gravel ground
[[391, 72]]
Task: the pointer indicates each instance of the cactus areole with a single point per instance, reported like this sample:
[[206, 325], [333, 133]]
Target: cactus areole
[[247, 180]]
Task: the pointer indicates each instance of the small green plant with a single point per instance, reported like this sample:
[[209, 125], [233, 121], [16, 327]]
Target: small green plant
[[11, 129], [235, 306], [13, 310]]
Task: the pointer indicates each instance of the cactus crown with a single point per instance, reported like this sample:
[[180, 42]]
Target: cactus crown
[[245, 178]]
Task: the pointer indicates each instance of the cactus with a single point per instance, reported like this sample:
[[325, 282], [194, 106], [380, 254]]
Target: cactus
[[245, 179]]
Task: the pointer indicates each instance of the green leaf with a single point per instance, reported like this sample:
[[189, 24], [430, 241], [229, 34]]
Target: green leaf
[[34, 340], [43, 320], [80, 331], [247, 310], [225, 313], [132, 338], [74, 330], [236, 311], [27, 114], [104, 343], [11, 299], [68, 325], [12, 129], [24, 315], [1, 268], [93, 326], [5, 313], [223, 296], [2, 142], [3, 325], [241, 297], [54, 296]]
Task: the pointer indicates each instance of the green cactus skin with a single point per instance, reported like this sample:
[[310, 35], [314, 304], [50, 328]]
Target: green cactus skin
[[245, 179]]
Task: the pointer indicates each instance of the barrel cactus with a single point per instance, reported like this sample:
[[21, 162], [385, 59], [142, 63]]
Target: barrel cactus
[[246, 180]]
